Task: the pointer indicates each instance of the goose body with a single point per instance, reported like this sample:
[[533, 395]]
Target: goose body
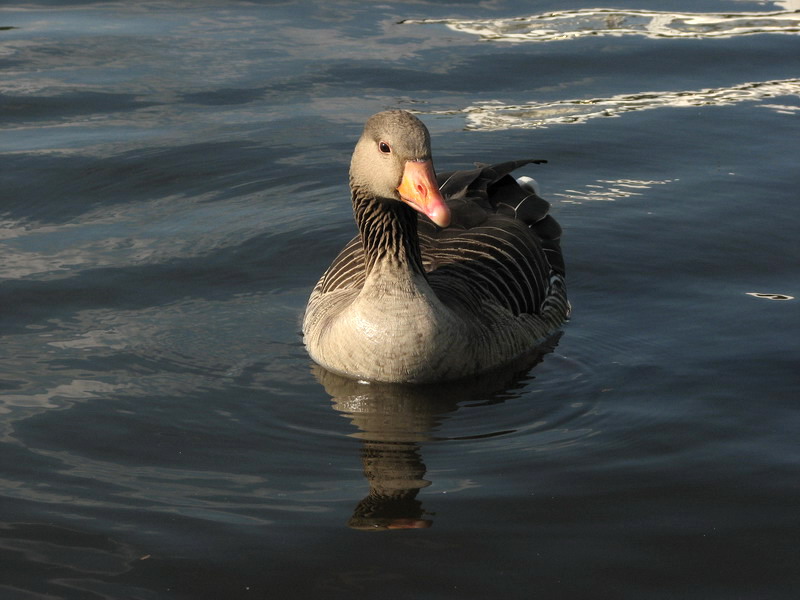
[[434, 290]]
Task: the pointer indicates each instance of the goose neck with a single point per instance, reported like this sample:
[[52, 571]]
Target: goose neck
[[388, 230]]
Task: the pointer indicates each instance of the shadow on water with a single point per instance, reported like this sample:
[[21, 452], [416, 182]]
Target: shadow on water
[[393, 420]]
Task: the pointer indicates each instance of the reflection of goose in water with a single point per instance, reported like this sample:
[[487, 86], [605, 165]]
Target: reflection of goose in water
[[393, 420]]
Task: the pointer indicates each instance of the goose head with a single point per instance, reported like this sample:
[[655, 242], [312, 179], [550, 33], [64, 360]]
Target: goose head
[[392, 162]]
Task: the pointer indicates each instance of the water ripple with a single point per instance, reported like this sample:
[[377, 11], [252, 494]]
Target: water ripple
[[508, 403], [608, 190], [494, 115], [508, 412], [572, 24]]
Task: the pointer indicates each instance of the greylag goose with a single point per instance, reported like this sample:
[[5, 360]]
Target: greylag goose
[[434, 290]]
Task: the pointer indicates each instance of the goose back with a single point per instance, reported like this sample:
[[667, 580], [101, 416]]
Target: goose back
[[502, 247]]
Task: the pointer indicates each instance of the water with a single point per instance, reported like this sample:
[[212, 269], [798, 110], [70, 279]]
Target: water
[[174, 182]]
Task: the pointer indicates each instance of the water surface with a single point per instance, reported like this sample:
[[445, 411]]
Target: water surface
[[174, 180]]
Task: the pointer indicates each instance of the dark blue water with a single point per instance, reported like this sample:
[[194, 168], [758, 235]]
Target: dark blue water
[[174, 181]]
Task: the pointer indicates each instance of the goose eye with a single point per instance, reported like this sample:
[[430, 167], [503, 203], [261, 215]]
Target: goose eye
[[384, 147]]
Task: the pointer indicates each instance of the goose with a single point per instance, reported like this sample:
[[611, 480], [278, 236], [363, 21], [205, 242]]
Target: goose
[[430, 289]]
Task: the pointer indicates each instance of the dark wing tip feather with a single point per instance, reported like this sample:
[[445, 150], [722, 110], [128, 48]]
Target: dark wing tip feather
[[474, 194], [486, 189], [479, 181]]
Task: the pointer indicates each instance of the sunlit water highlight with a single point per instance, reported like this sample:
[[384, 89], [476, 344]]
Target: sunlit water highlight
[[495, 115], [571, 24]]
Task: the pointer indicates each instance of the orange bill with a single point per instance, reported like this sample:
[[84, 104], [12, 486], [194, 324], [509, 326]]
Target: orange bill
[[419, 190]]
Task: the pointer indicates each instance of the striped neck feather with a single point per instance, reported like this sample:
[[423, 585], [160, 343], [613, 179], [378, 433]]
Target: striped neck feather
[[388, 231]]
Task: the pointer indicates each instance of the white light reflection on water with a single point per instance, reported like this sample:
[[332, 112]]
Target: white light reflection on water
[[607, 190], [769, 296], [571, 24], [494, 115]]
